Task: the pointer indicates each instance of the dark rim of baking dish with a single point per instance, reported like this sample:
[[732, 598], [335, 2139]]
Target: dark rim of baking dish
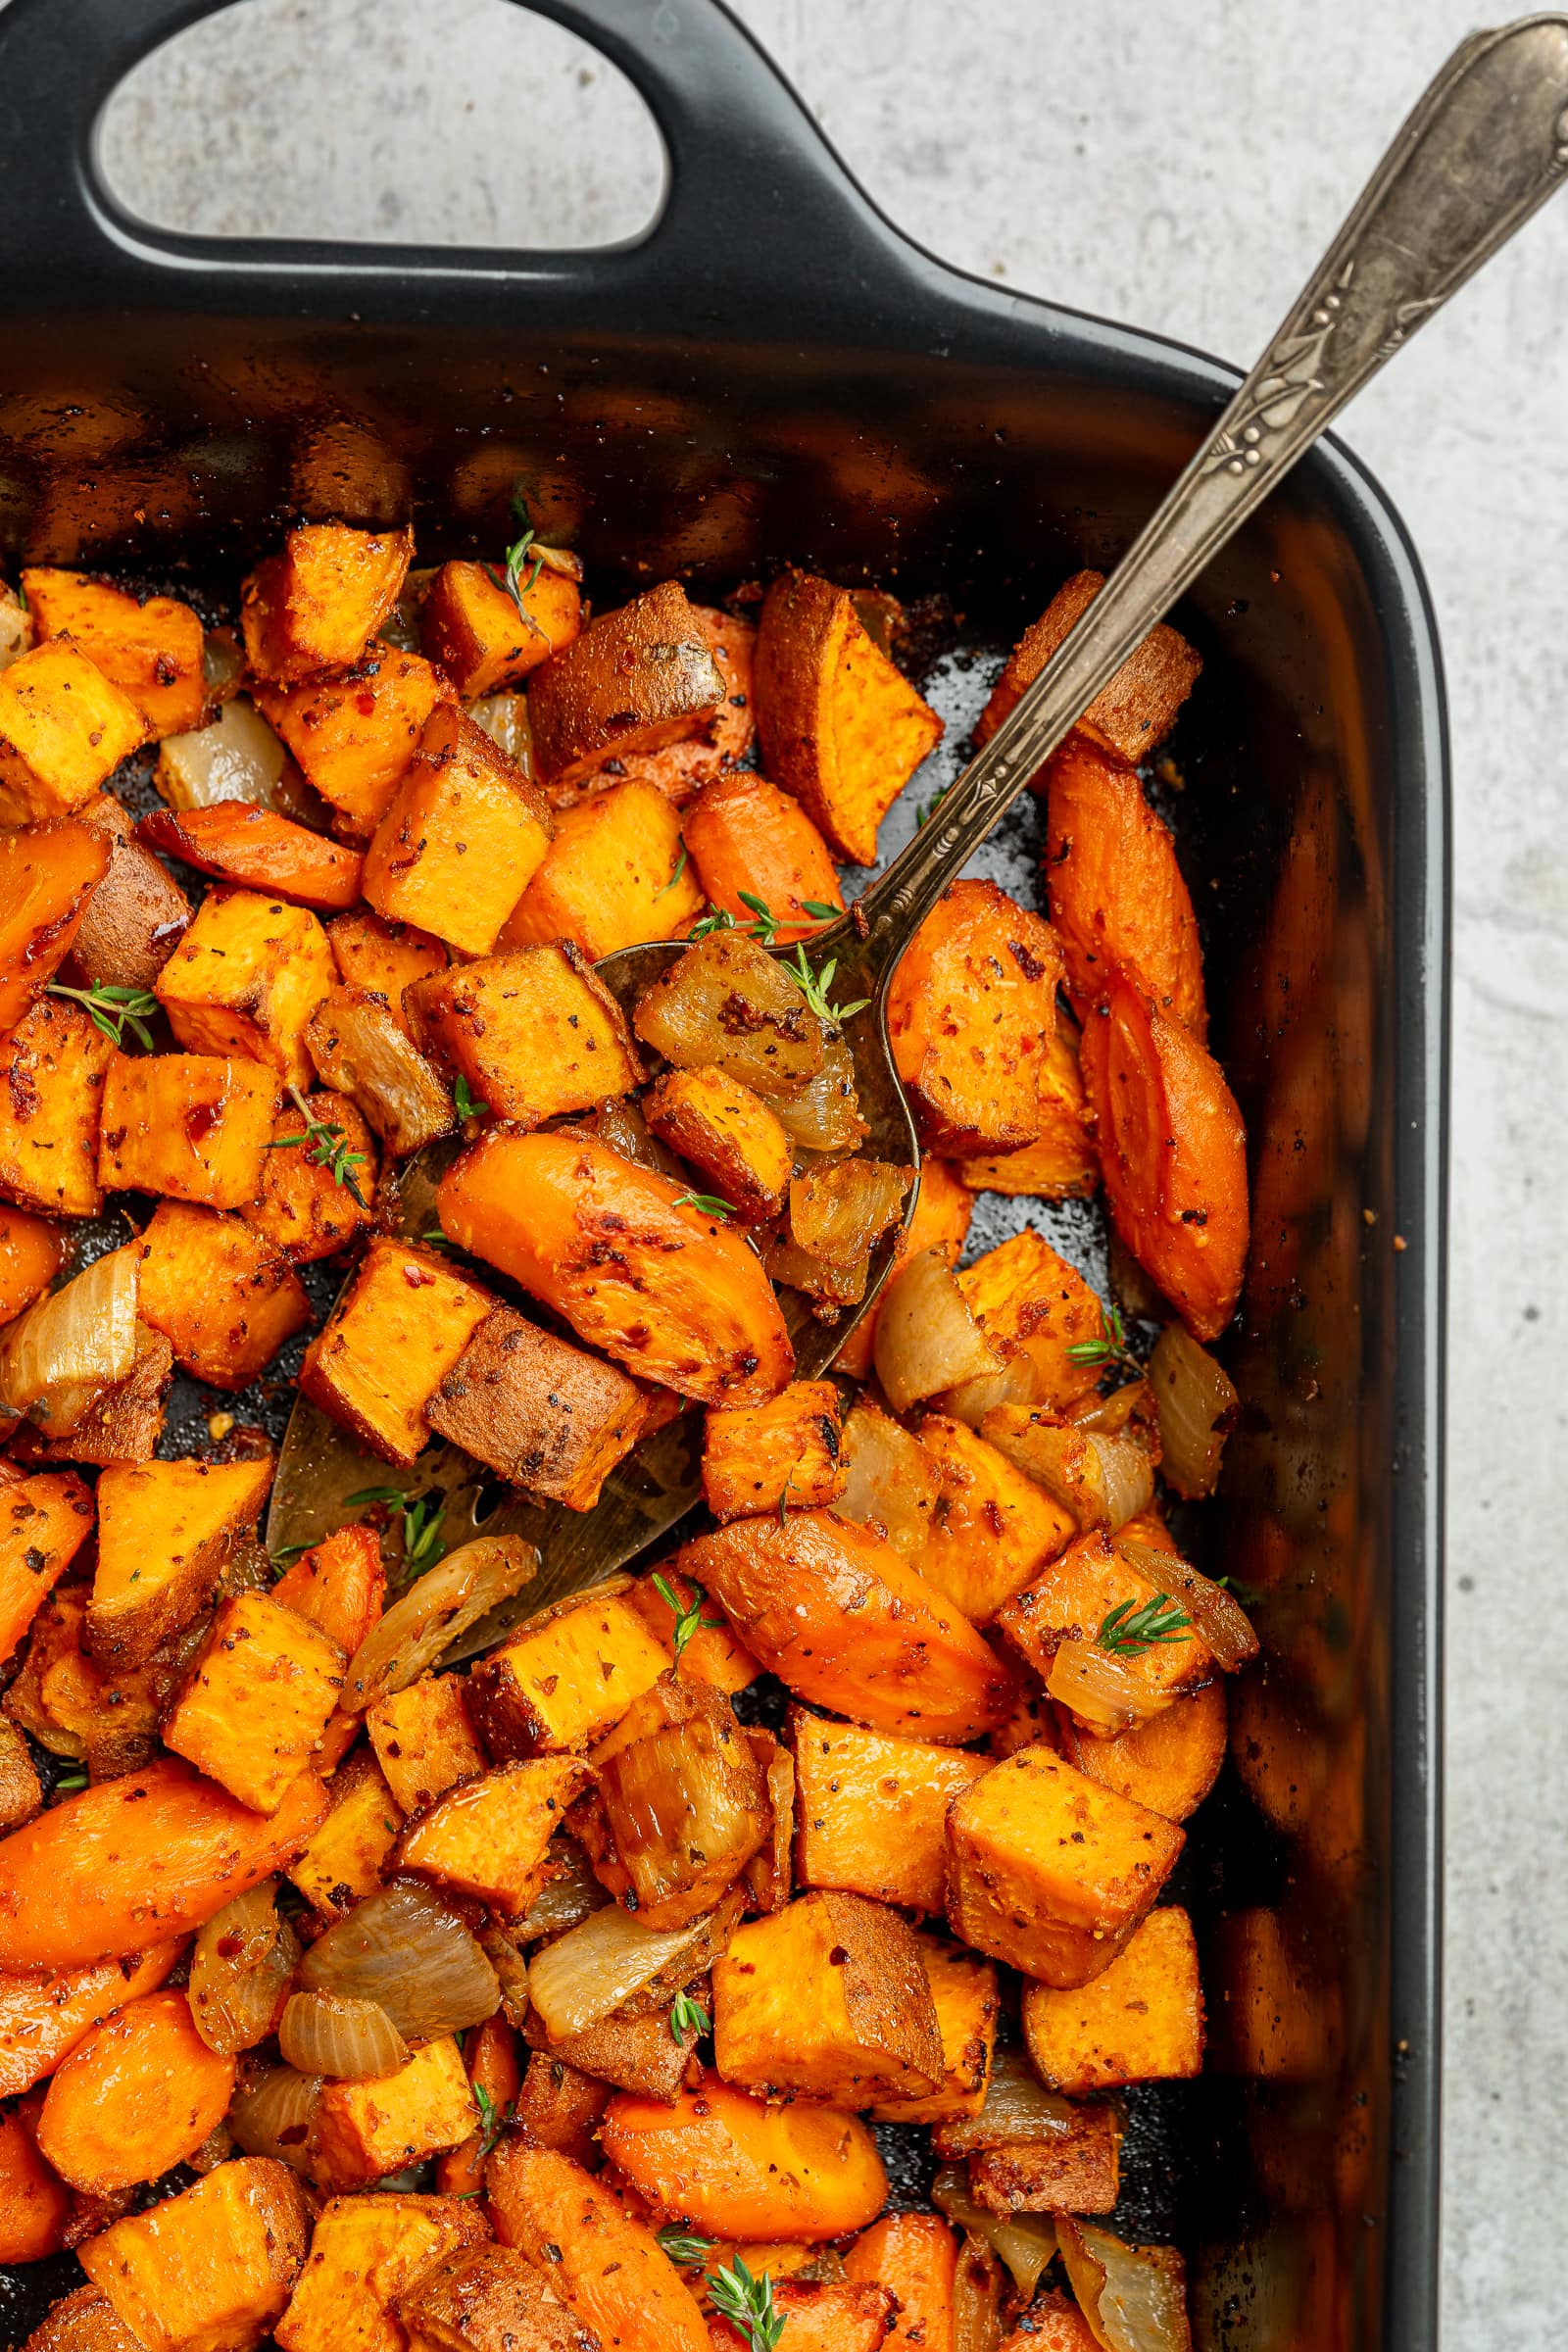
[[742, 149]]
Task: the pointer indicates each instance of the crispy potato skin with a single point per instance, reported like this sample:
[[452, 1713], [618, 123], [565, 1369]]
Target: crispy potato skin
[[734, 2166], [610, 2268], [491, 2299], [47, 874], [970, 1011], [832, 1609], [1118, 901], [1173, 1150], [258, 849], [745, 834], [1130, 715], [136, 916], [543, 1415], [144, 1857], [638, 679], [84, 2321], [138, 2094], [668, 1292], [1072, 2171]]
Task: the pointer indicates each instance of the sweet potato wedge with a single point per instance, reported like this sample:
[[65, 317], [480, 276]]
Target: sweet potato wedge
[[52, 1070], [44, 2016], [1050, 1870], [152, 649], [827, 2000], [138, 2094], [246, 978], [256, 1699], [136, 914], [258, 850], [48, 872], [361, 1049], [389, 1344], [354, 733], [44, 1522], [786, 1451], [366, 2129], [194, 1126], [872, 1810], [1131, 715], [318, 603], [1173, 1150], [613, 876], [383, 958], [993, 1529], [1071, 1599], [534, 1034], [1062, 1164], [915, 2256], [744, 834], [31, 1253], [365, 2251], [728, 1135], [488, 1837], [1168, 1764], [563, 1677], [463, 834], [208, 2271], [541, 1413], [35, 2202], [483, 638], [218, 1291], [144, 1857], [636, 680], [612, 1247], [730, 2164], [839, 727], [970, 1011], [835, 1613], [1119, 900], [338, 1584], [64, 728], [424, 1740], [609, 2266], [1140, 2020], [312, 1202], [715, 744], [165, 1531]]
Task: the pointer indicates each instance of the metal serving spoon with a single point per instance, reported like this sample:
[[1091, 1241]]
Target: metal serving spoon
[[1485, 145]]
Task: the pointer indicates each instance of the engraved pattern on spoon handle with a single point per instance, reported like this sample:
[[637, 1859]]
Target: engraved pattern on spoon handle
[[1485, 146]]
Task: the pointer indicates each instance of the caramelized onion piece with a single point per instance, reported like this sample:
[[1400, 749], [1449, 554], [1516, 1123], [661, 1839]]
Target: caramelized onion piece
[[1102, 1481], [405, 1950], [729, 1002], [926, 1338], [838, 1210], [568, 1900], [436, 1612], [1133, 2297], [240, 1970], [1018, 2108], [237, 757], [71, 1344], [824, 1114], [361, 1049], [274, 2115], [1101, 1692], [345, 2038], [978, 2289], [1197, 1402], [834, 1286], [1018, 1383], [1025, 2243], [1218, 1616], [582, 1976], [893, 1481], [504, 720]]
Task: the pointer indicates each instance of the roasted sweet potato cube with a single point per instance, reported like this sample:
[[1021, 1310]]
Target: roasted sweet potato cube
[[383, 958], [339, 1585], [647, 2055], [84, 2321], [342, 1860], [1118, 899], [31, 1252], [52, 1070], [1062, 1164], [871, 1811], [1078, 2171], [559, 2107], [1140, 2020], [314, 1202], [190, 1125], [152, 649], [965, 1995], [463, 833], [611, 877], [1071, 1599], [44, 1522], [48, 872], [638, 678], [165, 1529], [487, 1837], [712, 1653], [218, 1291], [827, 1998], [20, 1790], [745, 834], [317, 604], [729, 1134], [839, 726], [424, 1740], [136, 914], [1169, 1763], [756, 1458], [483, 637], [680, 1804], [563, 1678], [361, 1048], [539, 1413], [970, 1011], [1027, 1296], [256, 1699], [993, 1529], [714, 744], [1130, 715], [257, 848], [63, 727], [355, 733], [367, 2130], [1050, 1870], [209, 2269], [491, 2299], [245, 980], [389, 1345], [534, 1034], [365, 2251]]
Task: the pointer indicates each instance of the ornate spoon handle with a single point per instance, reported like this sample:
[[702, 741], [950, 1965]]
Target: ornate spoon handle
[[1485, 146]]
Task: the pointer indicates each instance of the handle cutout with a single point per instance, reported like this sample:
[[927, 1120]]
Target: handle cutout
[[474, 123]]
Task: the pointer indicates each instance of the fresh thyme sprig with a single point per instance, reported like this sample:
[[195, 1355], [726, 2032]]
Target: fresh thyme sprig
[[676, 871], [718, 918], [784, 1499], [689, 1618], [688, 2017], [70, 1782], [492, 2121], [516, 586], [422, 1515], [747, 2304], [815, 985], [1127, 1632], [465, 1105], [327, 1145], [767, 925], [821, 910], [1111, 1348], [113, 1009], [434, 1239], [684, 2247], [706, 1204], [286, 1553]]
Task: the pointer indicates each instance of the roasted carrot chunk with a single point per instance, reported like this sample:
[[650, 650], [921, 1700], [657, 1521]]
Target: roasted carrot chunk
[[970, 1010], [1137, 708], [746, 835], [1119, 900], [47, 874], [917, 2255], [730, 2163], [260, 851], [35, 2202], [152, 651], [1174, 1155], [138, 2093], [43, 2017]]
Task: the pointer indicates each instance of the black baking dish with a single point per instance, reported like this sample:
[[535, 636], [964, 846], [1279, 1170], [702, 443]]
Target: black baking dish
[[773, 373]]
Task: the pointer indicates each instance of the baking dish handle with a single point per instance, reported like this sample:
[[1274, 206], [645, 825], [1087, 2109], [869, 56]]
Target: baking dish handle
[[752, 184]]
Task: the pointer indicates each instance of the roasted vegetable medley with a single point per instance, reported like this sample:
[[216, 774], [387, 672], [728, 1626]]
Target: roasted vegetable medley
[[564, 1997]]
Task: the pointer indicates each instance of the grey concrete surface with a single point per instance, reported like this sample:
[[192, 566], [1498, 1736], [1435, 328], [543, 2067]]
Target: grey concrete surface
[[1178, 166]]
